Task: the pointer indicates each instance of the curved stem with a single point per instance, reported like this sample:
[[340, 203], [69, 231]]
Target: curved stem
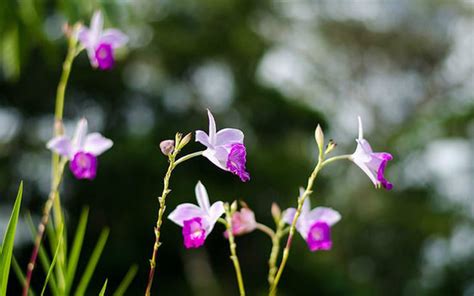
[[334, 158], [265, 229], [233, 252], [57, 167], [189, 156]]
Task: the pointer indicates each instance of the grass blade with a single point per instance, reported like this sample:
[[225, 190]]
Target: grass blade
[[51, 267], [122, 288], [81, 288], [76, 249], [7, 246], [102, 291]]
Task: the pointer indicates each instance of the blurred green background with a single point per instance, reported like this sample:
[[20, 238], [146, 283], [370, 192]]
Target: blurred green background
[[273, 69]]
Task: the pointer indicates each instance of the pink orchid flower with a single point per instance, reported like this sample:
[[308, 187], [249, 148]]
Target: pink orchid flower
[[99, 43], [314, 225], [197, 221], [243, 222], [225, 148], [372, 163], [82, 150]]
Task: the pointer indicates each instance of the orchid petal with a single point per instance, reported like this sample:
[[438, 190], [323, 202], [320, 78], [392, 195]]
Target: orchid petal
[[363, 166], [216, 157], [61, 145], [324, 214], [83, 35], [202, 196], [289, 215], [361, 130], [114, 37], [212, 128], [96, 144], [306, 205], [96, 26], [80, 134], [228, 136], [216, 210], [203, 138], [185, 212]]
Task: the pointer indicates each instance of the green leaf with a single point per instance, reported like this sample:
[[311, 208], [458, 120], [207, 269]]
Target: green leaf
[[51, 267], [102, 292], [122, 288], [81, 288], [76, 249], [7, 246]]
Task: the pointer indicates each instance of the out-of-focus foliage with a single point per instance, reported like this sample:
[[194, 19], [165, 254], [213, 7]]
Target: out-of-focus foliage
[[273, 69]]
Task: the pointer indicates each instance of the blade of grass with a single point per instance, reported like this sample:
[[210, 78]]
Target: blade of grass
[[104, 287], [76, 249], [51, 267], [20, 275], [7, 245], [84, 282], [43, 256], [122, 288]]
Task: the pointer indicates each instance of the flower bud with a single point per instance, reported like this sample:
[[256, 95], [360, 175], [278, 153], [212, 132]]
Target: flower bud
[[185, 140], [233, 206], [167, 147], [330, 146], [319, 136], [276, 211]]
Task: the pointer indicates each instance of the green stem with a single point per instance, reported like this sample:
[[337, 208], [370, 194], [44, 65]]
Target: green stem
[[334, 158], [162, 200], [233, 252], [265, 229], [57, 169], [187, 157], [272, 268]]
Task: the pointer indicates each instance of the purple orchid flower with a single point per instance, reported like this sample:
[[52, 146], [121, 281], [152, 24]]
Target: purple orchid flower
[[82, 150], [197, 221], [100, 44], [314, 225], [225, 148], [372, 163]]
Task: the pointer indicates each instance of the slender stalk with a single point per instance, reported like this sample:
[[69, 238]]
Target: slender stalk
[[301, 200], [265, 229], [189, 156], [233, 252], [57, 168], [162, 200], [309, 187], [272, 268], [42, 227]]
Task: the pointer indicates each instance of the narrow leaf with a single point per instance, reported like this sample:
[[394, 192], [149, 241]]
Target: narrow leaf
[[7, 246], [76, 249], [81, 288], [122, 288], [102, 292]]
